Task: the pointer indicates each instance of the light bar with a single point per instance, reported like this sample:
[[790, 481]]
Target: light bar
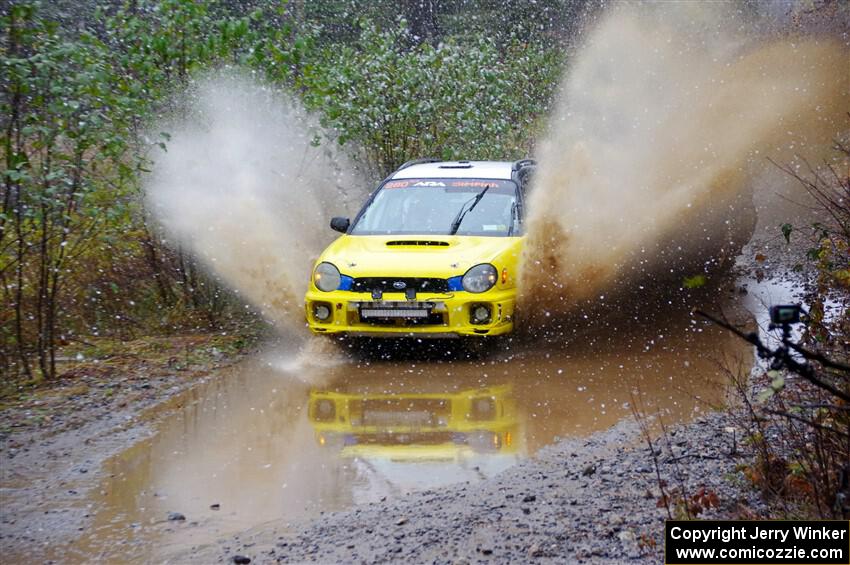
[[386, 313]]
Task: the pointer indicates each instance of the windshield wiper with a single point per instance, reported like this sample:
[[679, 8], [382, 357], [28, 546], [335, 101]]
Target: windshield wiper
[[464, 210]]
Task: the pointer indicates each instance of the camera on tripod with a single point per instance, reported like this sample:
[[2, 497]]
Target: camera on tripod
[[785, 314]]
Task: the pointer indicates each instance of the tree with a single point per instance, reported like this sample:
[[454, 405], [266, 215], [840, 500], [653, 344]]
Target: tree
[[61, 136]]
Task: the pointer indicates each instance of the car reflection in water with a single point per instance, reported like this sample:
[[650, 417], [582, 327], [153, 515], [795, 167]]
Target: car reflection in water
[[421, 440]]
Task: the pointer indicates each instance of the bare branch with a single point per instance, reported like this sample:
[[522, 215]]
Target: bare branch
[[804, 370]]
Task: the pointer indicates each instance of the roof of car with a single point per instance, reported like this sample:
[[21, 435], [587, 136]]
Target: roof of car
[[457, 169]]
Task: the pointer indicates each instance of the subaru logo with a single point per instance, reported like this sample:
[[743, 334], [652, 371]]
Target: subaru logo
[[399, 285]]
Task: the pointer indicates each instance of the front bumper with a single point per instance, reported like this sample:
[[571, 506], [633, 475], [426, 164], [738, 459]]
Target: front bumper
[[448, 314]]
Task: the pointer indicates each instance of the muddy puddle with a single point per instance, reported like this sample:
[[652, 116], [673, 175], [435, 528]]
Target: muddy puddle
[[287, 436]]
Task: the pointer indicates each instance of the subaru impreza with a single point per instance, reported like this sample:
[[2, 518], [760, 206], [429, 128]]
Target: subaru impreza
[[433, 252]]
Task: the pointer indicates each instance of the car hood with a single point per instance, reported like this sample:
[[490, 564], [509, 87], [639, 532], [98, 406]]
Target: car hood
[[415, 255]]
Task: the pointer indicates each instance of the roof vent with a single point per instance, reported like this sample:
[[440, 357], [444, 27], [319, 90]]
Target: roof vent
[[457, 165], [418, 242]]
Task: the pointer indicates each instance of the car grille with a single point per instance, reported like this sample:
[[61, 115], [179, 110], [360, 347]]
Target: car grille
[[385, 284]]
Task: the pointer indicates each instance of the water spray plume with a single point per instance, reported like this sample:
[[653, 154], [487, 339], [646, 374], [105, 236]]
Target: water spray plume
[[664, 121], [244, 188]]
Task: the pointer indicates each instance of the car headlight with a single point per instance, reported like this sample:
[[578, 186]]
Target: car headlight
[[326, 277], [480, 278]]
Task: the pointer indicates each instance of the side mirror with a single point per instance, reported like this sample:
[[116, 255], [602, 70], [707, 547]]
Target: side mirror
[[340, 224]]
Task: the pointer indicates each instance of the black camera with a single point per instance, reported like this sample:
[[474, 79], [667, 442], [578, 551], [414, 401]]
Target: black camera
[[785, 314]]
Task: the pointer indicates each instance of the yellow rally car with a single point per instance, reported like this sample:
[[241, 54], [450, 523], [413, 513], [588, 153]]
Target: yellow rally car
[[433, 253], [416, 426]]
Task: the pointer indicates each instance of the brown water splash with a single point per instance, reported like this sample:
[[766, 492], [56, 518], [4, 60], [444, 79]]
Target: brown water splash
[[243, 187], [666, 120]]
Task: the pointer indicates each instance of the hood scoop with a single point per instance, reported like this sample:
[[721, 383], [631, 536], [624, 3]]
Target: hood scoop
[[417, 243]]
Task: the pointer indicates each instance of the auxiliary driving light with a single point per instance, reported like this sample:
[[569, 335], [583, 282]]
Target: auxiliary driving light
[[322, 312], [480, 314], [324, 410]]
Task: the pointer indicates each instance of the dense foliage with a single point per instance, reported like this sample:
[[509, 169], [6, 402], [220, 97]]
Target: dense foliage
[[82, 86], [453, 100]]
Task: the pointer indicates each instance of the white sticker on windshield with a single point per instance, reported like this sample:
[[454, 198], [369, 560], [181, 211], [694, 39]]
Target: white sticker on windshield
[[494, 227]]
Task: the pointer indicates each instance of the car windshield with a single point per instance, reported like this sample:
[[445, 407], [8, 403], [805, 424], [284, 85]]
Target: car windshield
[[441, 207]]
